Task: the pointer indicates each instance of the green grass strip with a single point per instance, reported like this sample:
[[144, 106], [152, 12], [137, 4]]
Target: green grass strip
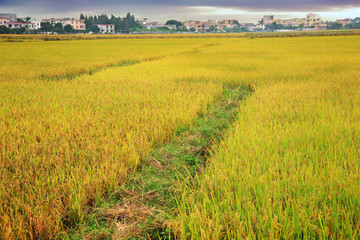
[[138, 209]]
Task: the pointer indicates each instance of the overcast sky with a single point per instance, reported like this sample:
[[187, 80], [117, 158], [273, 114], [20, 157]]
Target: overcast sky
[[161, 10]]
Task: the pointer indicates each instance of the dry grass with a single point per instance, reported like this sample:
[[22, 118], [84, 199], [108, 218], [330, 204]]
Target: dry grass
[[131, 219]]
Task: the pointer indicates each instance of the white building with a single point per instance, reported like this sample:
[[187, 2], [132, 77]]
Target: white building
[[152, 25], [106, 28], [35, 25], [249, 26], [260, 25], [17, 25]]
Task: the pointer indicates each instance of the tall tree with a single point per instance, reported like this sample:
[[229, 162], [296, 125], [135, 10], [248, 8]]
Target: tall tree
[[126, 25], [174, 22], [68, 28], [58, 27], [46, 27]]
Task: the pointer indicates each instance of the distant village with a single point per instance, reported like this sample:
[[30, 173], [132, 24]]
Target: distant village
[[102, 24]]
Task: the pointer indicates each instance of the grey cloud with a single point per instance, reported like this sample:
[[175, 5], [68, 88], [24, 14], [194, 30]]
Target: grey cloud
[[163, 9], [253, 5]]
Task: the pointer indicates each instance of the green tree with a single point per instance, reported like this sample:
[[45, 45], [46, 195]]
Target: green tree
[[94, 29], [192, 29], [21, 30], [334, 25], [355, 25], [46, 27], [82, 16], [174, 22], [4, 30], [103, 19], [58, 27], [113, 19], [69, 29], [274, 25], [164, 29], [212, 28], [126, 25]]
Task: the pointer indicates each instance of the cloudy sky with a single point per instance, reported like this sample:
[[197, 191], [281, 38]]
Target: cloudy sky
[[161, 10]]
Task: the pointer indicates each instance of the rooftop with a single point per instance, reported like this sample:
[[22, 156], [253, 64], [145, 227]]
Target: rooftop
[[18, 23]]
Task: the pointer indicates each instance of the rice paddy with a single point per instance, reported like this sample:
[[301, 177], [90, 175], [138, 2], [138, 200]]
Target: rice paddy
[[78, 117]]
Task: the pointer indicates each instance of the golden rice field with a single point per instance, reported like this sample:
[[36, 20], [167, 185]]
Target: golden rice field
[[63, 59], [290, 167], [74, 125]]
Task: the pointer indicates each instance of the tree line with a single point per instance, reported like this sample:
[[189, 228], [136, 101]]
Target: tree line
[[124, 24]]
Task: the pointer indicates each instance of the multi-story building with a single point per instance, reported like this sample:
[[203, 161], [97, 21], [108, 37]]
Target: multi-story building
[[34, 25], [226, 24], [344, 21], [10, 16], [4, 21], [207, 24], [203, 26], [296, 22], [77, 24], [197, 25], [284, 22], [53, 20], [268, 19], [312, 20], [106, 28]]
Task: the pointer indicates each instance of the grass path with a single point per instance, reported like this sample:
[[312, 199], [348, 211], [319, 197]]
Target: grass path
[[136, 210]]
